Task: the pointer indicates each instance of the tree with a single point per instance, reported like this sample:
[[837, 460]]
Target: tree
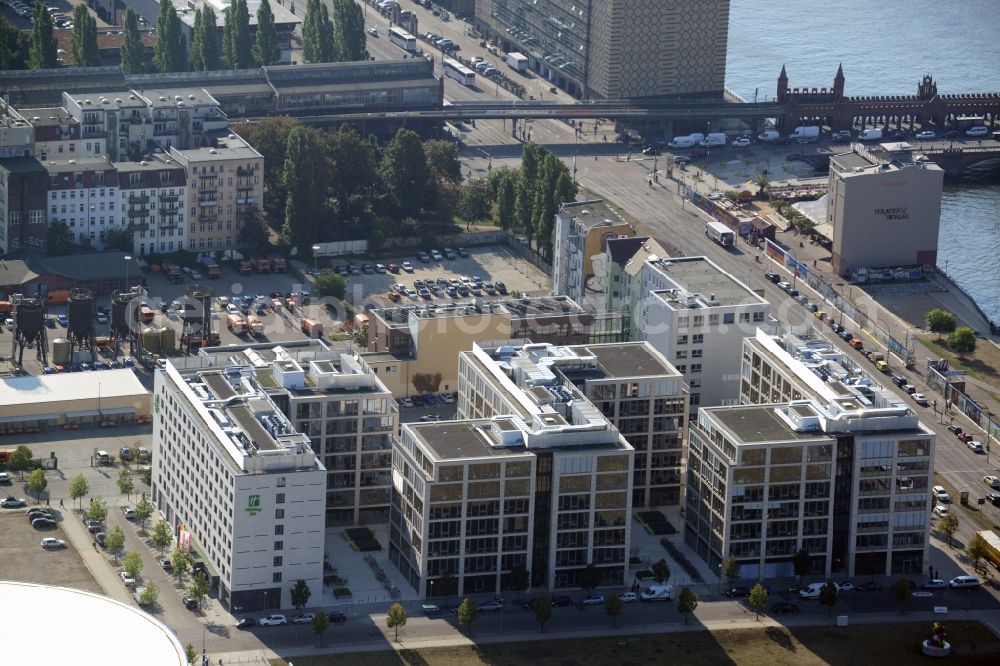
[[181, 561], [43, 52], [522, 208], [98, 509], [14, 46], [300, 595], [962, 340], [613, 606], [125, 483], [762, 184], [828, 596], [424, 382], [349, 38], [269, 137], [590, 577], [758, 599], [211, 49], [58, 240], [114, 541], [20, 460], [132, 564], [197, 33], [939, 321], [520, 579], [266, 50], [190, 654], [467, 613], [38, 483], [150, 594], [84, 43], [731, 570], [317, 33], [442, 159], [949, 525], [322, 621], [163, 536], [977, 550], [237, 49], [542, 610], [802, 563], [198, 589], [687, 602], [332, 284], [503, 182], [79, 487], [396, 618], [143, 510], [300, 180], [474, 199], [170, 50], [661, 571], [405, 174], [132, 51], [118, 239], [901, 590]]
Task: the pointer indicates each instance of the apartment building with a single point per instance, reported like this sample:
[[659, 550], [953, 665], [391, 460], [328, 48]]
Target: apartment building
[[878, 194], [83, 194], [225, 189], [420, 341], [347, 412], [583, 229], [616, 49], [57, 136], [183, 118], [24, 185], [633, 386], [152, 204], [622, 262], [696, 315], [237, 482], [546, 488]]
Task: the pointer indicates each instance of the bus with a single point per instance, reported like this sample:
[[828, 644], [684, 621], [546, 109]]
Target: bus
[[402, 39], [720, 233], [459, 72]]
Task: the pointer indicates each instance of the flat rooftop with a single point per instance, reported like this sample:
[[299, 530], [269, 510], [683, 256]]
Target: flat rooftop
[[592, 213], [69, 386], [700, 276], [535, 306], [630, 359], [164, 98], [450, 440], [755, 424], [116, 99], [48, 116], [226, 148], [80, 164]]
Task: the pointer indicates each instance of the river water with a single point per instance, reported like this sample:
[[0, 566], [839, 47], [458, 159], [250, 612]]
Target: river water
[[886, 47]]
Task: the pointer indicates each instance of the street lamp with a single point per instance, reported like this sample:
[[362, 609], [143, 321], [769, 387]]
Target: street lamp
[[315, 249]]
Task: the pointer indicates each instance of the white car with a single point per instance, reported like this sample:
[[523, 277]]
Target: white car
[[992, 481], [276, 620], [436, 256], [305, 618], [977, 447], [127, 579], [128, 512], [627, 597], [52, 544], [926, 134], [407, 266], [920, 399], [941, 510], [373, 32], [741, 142]]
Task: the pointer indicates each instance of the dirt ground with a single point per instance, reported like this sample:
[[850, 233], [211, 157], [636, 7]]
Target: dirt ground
[[893, 644], [23, 559]]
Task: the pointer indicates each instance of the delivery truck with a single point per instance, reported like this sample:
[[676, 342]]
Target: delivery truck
[[172, 271], [769, 136], [236, 324], [211, 268], [255, 326], [872, 134], [517, 61], [720, 233], [714, 139], [657, 593], [312, 328], [805, 134]]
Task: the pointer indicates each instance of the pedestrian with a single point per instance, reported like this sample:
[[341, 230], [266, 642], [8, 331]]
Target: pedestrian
[[61, 502]]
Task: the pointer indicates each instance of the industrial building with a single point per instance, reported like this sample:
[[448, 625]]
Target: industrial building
[[346, 410], [547, 489], [884, 205], [631, 383], [582, 232], [616, 49], [827, 461], [239, 483]]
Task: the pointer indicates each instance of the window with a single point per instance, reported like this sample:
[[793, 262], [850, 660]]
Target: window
[[278, 560], [279, 514], [281, 482], [276, 577], [698, 338], [728, 318], [681, 354], [279, 545], [695, 353], [695, 368], [279, 498], [279, 530], [682, 339], [744, 317]]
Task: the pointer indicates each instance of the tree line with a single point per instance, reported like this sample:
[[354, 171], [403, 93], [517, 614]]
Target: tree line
[[333, 186], [325, 39]]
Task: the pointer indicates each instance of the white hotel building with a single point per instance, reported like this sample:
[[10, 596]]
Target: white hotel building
[[230, 470]]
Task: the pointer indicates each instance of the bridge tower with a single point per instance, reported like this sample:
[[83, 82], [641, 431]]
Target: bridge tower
[[838, 83], [782, 85], [927, 89]]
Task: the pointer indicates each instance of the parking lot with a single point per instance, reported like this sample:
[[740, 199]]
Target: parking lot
[[23, 559], [492, 264]]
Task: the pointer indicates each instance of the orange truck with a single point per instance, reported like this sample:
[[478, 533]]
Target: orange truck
[[211, 268], [255, 326], [312, 328], [261, 264], [244, 267], [278, 264], [172, 271], [146, 315], [236, 323]]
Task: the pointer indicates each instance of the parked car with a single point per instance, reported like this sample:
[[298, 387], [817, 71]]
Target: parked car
[[993, 498], [127, 579], [941, 511], [992, 481], [977, 447], [926, 134], [933, 584], [128, 512], [166, 564], [561, 602], [436, 256], [53, 544], [246, 623], [43, 523], [870, 586], [847, 587], [13, 503], [784, 608], [490, 606], [920, 399], [424, 257], [628, 597], [593, 600], [305, 618], [737, 592], [428, 418], [336, 616], [407, 266], [462, 252]]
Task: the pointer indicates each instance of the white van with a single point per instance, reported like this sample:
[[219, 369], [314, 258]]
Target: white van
[[769, 135], [941, 495], [964, 581], [811, 591], [658, 593], [870, 135], [978, 130]]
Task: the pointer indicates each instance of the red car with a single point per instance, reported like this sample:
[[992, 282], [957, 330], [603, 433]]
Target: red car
[[394, 296], [393, 268]]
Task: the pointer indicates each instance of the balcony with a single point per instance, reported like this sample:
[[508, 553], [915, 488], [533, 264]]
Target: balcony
[[169, 198], [138, 199], [206, 201], [205, 217], [243, 172], [169, 212], [138, 226], [138, 212]]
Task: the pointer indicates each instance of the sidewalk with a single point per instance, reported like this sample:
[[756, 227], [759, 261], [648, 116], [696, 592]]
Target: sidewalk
[[93, 558]]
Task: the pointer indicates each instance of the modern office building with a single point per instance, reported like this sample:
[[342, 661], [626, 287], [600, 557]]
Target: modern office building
[[696, 315], [631, 383], [616, 49], [225, 189], [885, 208], [348, 413], [546, 488], [583, 229], [237, 482], [420, 341]]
